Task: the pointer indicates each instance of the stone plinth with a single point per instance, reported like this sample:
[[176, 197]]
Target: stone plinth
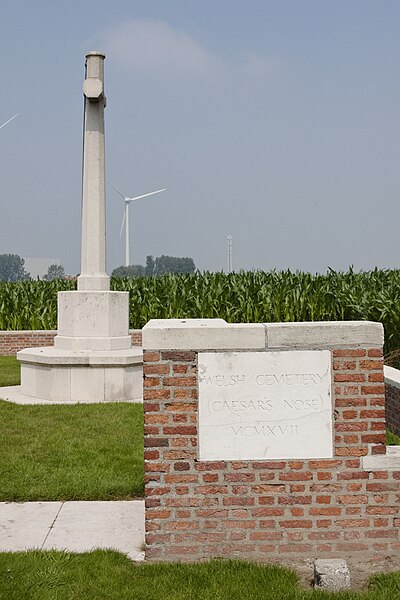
[[81, 376], [93, 321]]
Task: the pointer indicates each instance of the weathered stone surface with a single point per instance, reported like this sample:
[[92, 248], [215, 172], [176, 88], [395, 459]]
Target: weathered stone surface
[[265, 405], [331, 574]]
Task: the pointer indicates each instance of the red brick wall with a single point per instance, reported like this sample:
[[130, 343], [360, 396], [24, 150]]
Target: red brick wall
[[392, 395], [12, 341], [265, 509]]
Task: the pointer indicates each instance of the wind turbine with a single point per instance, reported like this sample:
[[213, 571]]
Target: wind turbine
[[9, 120], [125, 218]]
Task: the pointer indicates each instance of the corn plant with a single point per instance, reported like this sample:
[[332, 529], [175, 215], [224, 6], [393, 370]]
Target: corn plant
[[253, 296]]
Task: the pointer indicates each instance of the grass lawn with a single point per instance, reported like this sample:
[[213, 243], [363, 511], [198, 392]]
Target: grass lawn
[[108, 575], [79, 452], [10, 371]]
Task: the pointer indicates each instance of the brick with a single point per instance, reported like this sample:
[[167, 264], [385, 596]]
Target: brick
[[239, 524], [181, 466], [179, 454], [270, 464], [289, 500], [330, 511], [350, 523], [298, 476], [344, 365], [348, 377], [180, 381], [324, 464], [376, 377], [239, 477], [180, 430], [323, 499], [266, 535], [179, 356], [179, 407], [362, 499], [371, 365], [151, 381], [210, 477], [238, 501], [157, 467], [158, 514], [151, 356], [372, 389], [158, 369], [152, 442], [375, 352], [151, 419], [268, 512], [212, 489], [151, 454], [350, 352], [156, 394], [352, 451]]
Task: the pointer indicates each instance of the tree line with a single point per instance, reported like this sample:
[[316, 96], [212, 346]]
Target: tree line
[[12, 268], [157, 266]]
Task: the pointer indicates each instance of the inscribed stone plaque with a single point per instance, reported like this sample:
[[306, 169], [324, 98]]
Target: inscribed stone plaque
[[265, 405]]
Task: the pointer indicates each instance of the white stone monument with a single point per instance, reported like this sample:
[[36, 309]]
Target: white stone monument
[[92, 358]]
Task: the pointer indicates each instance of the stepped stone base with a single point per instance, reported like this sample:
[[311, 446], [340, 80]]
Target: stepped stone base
[[81, 376]]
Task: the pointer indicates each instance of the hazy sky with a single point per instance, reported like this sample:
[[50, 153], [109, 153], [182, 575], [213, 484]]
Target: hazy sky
[[274, 121]]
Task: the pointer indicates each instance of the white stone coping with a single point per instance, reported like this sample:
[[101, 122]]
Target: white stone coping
[[53, 356], [23, 332], [383, 462], [392, 376], [201, 334], [217, 334], [324, 334]]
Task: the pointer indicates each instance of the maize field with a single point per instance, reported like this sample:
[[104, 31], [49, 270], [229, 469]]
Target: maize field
[[251, 297]]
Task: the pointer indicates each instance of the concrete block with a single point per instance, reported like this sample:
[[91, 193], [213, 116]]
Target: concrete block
[[324, 334], [202, 334], [66, 376], [84, 526], [392, 376], [331, 574], [93, 320], [383, 462], [25, 525]]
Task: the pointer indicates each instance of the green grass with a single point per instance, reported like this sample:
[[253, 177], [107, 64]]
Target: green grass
[[10, 371], [392, 439], [108, 575], [79, 452]]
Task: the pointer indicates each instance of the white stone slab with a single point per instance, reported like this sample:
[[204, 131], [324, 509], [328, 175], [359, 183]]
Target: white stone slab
[[324, 334], [25, 525], [383, 462], [392, 376], [84, 526], [202, 334], [265, 405], [15, 395]]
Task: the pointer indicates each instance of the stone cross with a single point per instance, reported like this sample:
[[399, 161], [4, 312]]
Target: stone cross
[[93, 255]]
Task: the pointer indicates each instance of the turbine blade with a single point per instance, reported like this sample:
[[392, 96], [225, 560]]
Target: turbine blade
[[9, 120], [122, 225], [118, 192], [144, 195]]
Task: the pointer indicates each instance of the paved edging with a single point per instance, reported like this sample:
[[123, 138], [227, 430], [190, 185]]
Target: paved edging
[[75, 526]]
